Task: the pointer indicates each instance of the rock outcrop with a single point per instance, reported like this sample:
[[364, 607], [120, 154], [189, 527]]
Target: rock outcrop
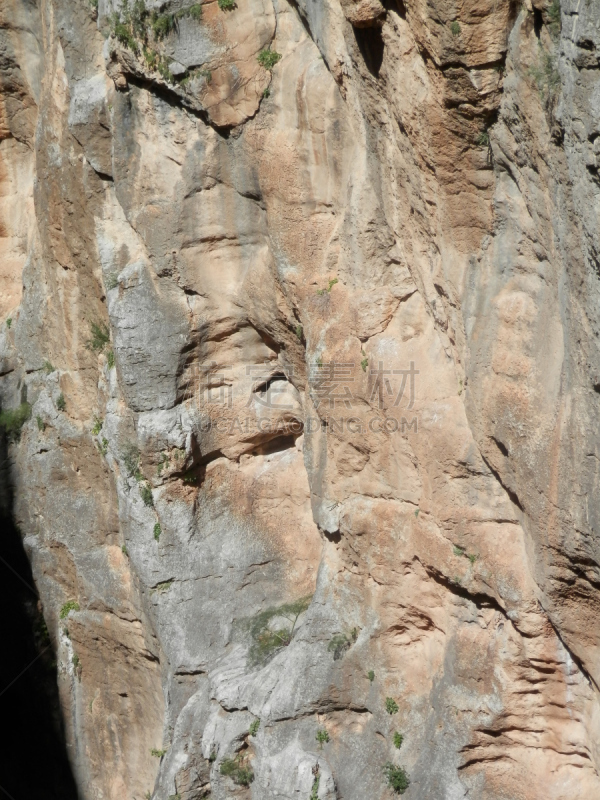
[[299, 377]]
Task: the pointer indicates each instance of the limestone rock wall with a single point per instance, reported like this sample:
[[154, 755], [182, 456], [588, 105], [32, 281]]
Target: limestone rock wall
[[234, 240]]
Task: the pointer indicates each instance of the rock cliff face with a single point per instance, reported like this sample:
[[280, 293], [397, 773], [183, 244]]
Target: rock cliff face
[[299, 370]]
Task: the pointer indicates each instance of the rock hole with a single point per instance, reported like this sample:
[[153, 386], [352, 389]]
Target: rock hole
[[371, 46], [538, 21]]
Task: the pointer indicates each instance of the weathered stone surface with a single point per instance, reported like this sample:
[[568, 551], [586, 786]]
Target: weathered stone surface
[[416, 192]]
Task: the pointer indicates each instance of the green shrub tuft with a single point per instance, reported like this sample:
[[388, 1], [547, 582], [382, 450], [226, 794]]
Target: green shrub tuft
[[391, 706], [266, 642], [322, 737], [99, 338], [238, 770], [398, 739], [157, 531], [455, 28], [254, 726], [13, 419], [371, 675], [396, 777], [70, 605], [267, 58], [61, 403], [146, 494]]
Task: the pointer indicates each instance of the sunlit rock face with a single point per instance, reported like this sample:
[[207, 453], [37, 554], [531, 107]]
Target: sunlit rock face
[[300, 308]]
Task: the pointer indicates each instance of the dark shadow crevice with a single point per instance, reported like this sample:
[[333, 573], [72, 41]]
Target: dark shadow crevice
[[33, 756]]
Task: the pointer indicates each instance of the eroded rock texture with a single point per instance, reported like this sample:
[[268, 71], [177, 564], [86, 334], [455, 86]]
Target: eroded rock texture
[[192, 234]]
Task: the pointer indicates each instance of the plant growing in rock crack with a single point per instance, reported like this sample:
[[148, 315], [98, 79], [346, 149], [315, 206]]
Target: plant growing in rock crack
[[371, 675], [146, 494], [110, 359], [546, 75], [455, 28], [398, 739], [9, 322], [97, 426], [40, 423], [112, 281], [13, 419], [103, 447], [70, 605], [100, 337], [267, 641], [130, 456], [267, 58], [163, 586], [254, 726], [314, 792], [458, 551], [61, 403], [227, 5], [157, 753], [327, 289], [554, 18], [482, 139], [322, 737], [238, 770], [391, 706], [48, 368], [342, 642], [157, 531], [396, 777]]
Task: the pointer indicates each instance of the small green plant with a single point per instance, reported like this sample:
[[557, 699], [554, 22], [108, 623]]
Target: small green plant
[[40, 423], [396, 777], [110, 359], [163, 586], [554, 18], [319, 362], [75, 660], [254, 726], [391, 706], [9, 322], [482, 139], [266, 642], [131, 458], [417, 512], [162, 25], [322, 737], [458, 551], [124, 550], [213, 755], [157, 753], [195, 12], [97, 426], [227, 5], [206, 74], [299, 332], [266, 92], [104, 446], [472, 557], [13, 419], [112, 281], [190, 478], [342, 642], [267, 58], [238, 770], [70, 605], [364, 364], [398, 739], [455, 28], [146, 494], [157, 531], [61, 403], [546, 75], [148, 795], [48, 368], [371, 675], [328, 288], [100, 337], [314, 792]]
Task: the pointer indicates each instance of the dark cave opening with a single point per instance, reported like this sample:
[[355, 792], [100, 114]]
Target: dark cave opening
[[371, 46], [33, 757]]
